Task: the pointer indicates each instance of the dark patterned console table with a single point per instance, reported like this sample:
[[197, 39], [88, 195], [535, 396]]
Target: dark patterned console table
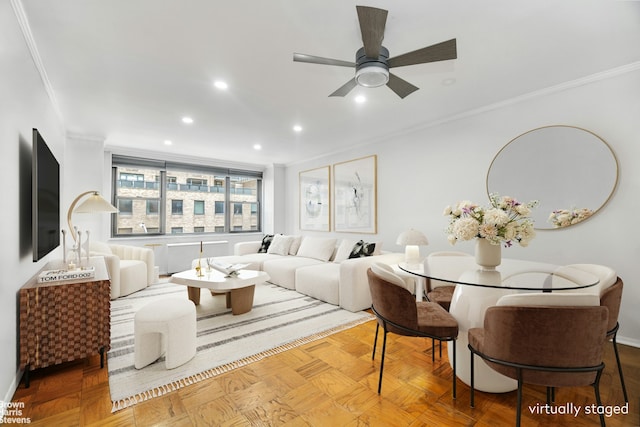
[[64, 321]]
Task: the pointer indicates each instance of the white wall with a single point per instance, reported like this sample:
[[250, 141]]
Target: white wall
[[24, 104], [85, 171], [418, 174], [421, 172]]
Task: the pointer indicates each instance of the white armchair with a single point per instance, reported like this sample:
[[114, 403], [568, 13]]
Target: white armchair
[[131, 268]]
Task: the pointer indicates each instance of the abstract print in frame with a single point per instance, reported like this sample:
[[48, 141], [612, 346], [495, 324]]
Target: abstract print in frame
[[355, 195], [315, 205]]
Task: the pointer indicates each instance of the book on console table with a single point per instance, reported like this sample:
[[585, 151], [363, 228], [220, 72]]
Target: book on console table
[[226, 268], [62, 274]]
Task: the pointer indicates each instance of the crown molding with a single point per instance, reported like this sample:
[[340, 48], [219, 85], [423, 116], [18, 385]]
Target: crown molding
[[592, 78], [23, 22], [85, 137], [181, 158]]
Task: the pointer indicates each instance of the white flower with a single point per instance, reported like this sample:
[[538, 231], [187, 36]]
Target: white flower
[[523, 210], [488, 231], [566, 217], [496, 216], [504, 221], [465, 228]]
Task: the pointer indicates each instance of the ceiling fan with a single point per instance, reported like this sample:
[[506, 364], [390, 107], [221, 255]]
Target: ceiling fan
[[373, 62]]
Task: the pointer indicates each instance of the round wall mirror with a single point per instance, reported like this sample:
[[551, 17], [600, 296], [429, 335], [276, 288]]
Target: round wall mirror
[[572, 173]]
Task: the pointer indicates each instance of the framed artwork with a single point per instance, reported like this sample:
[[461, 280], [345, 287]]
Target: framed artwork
[[315, 203], [355, 195]]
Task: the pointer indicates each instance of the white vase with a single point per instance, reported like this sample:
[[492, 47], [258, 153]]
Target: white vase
[[488, 256]]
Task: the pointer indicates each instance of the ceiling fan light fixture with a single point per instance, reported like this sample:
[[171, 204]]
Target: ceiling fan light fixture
[[373, 75]]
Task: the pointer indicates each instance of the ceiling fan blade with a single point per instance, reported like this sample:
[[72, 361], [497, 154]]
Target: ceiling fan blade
[[301, 57], [345, 88], [372, 23], [401, 87], [437, 52]]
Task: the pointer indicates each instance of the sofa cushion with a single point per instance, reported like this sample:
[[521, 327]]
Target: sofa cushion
[[133, 276], [320, 281], [280, 245], [344, 249], [295, 245], [282, 271], [317, 248], [255, 261], [266, 241]]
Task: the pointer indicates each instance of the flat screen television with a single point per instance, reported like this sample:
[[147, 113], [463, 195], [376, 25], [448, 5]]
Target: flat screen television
[[45, 210]]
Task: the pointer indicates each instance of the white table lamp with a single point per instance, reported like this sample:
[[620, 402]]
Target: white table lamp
[[412, 240]]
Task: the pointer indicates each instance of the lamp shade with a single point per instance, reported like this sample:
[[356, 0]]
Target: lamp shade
[[412, 237], [94, 204]]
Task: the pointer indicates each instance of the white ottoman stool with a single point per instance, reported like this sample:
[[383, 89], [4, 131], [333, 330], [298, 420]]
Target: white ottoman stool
[[167, 326]]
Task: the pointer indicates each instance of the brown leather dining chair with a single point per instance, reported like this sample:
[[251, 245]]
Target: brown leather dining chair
[[397, 311], [439, 291], [609, 290], [611, 298], [552, 346]]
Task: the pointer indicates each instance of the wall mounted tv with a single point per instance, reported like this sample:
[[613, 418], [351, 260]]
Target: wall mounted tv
[[45, 197]]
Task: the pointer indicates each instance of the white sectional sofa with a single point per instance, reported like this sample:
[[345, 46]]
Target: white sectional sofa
[[315, 266]]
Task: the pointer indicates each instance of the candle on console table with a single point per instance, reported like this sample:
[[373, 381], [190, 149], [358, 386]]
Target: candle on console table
[[79, 248], [87, 245], [64, 247]]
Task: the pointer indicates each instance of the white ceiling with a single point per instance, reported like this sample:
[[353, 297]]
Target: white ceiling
[[126, 71]]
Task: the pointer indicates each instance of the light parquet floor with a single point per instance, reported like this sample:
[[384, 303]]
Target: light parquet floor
[[330, 382]]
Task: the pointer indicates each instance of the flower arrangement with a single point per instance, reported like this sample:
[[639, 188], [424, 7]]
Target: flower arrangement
[[566, 217], [506, 220]]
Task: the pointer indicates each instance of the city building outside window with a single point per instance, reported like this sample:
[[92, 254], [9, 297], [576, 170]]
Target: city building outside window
[[156, 197]]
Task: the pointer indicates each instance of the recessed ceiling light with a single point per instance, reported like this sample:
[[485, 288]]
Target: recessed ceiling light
[[448, 82], [220, 84], [257, 147], [187, 120], [360, 99], [167, 142], [297, 128]]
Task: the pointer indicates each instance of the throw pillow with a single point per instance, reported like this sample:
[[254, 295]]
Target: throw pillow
[[317, 248], [266, 241], [295, 245], [280, 245], [344, 250], [362, 249]]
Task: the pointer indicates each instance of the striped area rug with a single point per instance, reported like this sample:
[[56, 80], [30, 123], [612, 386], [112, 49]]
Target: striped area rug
[[281, 319]]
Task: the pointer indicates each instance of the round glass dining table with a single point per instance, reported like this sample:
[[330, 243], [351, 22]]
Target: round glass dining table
[[478, 288]]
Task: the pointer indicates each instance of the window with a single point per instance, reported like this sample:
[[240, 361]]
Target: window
[[153, 207], [198, 207], [176, 207], [172, 198], [125, 206], [196, 181]]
